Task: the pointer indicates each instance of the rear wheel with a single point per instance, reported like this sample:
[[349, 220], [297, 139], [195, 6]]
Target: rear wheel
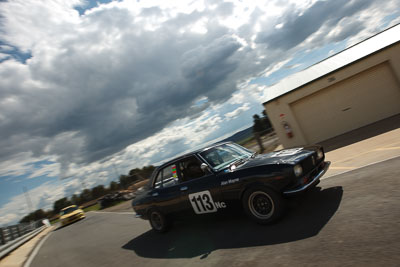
[[263, 205], [158, 221]]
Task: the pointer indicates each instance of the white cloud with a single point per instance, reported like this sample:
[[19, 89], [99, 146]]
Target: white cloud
[[6, 48], [21, 164], [49, 170], [30, 23], [4, 56], [237, 112]]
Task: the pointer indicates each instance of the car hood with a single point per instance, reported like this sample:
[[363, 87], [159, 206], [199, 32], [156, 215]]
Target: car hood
[[65, 216], [287, 156]]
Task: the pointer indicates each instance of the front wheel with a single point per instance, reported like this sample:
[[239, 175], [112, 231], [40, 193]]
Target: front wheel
[[263, 205], [158, 221]]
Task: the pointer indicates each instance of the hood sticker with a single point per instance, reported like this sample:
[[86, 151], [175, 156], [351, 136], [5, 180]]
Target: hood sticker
[[287, 152]]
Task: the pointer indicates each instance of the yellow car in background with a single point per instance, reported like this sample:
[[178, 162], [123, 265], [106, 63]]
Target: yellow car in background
[[71, 214]]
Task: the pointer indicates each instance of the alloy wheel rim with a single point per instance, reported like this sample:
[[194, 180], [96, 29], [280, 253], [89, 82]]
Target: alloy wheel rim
[[156, 220], [261, 205]]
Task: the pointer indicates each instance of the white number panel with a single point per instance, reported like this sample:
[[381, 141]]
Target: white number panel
[[202, 202]]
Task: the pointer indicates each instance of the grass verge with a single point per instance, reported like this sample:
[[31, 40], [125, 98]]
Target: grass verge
[[92, 208]]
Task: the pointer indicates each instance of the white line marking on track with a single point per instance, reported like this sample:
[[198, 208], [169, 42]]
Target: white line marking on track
[[387, 148], [373, 163], [342, 168], [36, 250]]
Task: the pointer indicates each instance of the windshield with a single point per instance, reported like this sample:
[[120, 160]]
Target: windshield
[[224, 155], [69, 210]]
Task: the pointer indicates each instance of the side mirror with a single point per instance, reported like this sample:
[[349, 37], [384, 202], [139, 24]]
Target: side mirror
[[204, 167]]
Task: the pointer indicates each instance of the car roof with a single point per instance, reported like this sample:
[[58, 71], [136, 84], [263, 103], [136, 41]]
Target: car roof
[[72, 206], [187, 155], [194, 152]]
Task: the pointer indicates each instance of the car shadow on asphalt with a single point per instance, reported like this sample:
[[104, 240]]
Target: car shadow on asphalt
[[305, 218]]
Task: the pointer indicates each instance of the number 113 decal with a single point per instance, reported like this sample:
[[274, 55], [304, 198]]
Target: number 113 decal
[[202, 202]]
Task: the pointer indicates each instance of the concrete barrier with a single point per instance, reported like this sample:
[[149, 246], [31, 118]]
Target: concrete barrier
[[12, 245]]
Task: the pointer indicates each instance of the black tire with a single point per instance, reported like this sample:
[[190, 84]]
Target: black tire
[[263, 205], [158, 221]]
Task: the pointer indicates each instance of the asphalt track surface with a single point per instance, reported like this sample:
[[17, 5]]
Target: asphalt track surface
[[351, 219]]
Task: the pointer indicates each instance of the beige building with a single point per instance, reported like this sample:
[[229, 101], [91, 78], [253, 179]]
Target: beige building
[[354, 88]]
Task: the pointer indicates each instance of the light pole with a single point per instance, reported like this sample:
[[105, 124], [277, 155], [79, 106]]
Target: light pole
[[28, 199]]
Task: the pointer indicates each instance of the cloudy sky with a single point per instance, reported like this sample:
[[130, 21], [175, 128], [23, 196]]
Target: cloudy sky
[[92, 89]]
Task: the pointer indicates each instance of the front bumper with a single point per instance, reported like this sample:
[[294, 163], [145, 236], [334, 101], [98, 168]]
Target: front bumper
[[73, 219], [313, 182]]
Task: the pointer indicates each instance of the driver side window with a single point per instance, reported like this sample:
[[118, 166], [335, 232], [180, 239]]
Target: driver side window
[[190, 168]]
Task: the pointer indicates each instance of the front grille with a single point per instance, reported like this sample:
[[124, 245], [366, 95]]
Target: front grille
[[76, 216], [317, 170], [308, 163]]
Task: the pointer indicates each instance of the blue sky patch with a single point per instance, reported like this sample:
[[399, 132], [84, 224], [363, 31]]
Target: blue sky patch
[[301, 60], [11, 186], [13, 52], [39, 164], [388, 19], [90, 4]]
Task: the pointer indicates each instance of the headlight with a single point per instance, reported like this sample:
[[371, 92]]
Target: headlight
[[298, 170], [320, 154]]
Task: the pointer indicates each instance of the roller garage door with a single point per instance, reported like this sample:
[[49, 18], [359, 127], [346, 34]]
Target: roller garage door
[[367, 97]]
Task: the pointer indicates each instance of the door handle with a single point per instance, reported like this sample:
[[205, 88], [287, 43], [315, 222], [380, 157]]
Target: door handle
[[184, 188], [155, 194]]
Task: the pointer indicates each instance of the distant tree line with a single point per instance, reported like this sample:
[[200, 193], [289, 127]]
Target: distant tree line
[[266, 123], [134, 176]]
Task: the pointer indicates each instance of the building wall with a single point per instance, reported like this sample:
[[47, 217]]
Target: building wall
[[371, 85]]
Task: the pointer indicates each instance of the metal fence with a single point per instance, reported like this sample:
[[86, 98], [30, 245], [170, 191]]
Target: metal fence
[[13, 232]]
